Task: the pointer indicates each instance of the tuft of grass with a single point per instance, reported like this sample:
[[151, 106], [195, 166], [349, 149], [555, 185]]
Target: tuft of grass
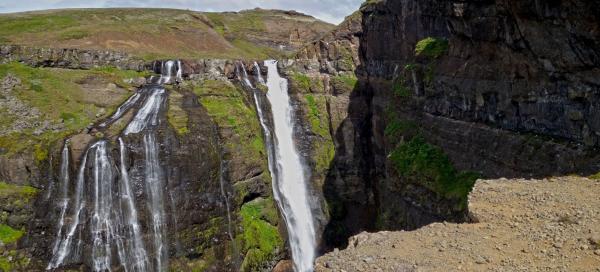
[[595, 176], [425, 164], [73, 35], [9, 235], [431, 47]]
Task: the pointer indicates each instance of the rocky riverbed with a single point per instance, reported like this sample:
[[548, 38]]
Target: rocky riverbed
[[518, 225]]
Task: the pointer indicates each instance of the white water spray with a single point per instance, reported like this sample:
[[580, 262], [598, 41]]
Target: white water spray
[[147, 116], [289, 181]]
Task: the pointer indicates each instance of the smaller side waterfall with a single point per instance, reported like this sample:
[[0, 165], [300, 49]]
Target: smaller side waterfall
[[170, 69], [259, 77], [64, 198], [99, 224], [147, 116], [64, 244], [122, 109], [139, 259]]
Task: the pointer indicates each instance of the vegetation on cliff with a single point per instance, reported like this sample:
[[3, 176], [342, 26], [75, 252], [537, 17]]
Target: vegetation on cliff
[[261, 240], [64, 101], [427, 165], [228, 106]]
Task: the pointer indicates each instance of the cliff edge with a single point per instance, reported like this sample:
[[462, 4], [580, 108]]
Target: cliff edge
[[521, 225]]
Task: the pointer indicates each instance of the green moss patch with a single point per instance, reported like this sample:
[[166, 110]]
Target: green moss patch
[[344, 83], [396, 127], [17, 191], [229, 108], [431, 47], [9, 235], [319, 123], [427, 165], [306, 84], [177, 117], [261, 239]]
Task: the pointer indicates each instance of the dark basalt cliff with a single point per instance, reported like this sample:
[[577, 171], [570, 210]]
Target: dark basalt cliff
[[495, 88], [520, 74]]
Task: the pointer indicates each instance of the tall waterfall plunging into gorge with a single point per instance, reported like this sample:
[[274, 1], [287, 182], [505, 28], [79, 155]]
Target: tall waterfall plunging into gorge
[[99, 223], [289, 181]]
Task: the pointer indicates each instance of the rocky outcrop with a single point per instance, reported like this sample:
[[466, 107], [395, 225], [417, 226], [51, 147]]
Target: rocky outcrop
[[518, 224], [337, 50], [69, 58]]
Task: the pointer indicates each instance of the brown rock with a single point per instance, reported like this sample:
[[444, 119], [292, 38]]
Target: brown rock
[[284, 266]]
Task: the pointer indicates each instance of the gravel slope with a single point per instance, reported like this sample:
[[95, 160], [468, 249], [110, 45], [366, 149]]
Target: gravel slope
[[523, 225]]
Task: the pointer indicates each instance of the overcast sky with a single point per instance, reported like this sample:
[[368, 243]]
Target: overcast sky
[[332, 11]]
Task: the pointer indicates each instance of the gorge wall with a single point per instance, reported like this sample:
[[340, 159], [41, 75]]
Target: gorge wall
[[448, 91]]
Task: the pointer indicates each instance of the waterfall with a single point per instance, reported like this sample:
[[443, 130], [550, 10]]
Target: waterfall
[[289, 181], [104, 204], [64, 198], [242, 74], [63, 244], [154, 190], [148, 115], [122, 109], [166, 71], [102, 227], [259, 77], [139, 260]]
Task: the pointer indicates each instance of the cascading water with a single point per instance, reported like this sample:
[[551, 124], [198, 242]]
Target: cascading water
[[122, 109], [289, 181], [259, 77], [64, 198], [166, 71], [139, 260], [103, 202]]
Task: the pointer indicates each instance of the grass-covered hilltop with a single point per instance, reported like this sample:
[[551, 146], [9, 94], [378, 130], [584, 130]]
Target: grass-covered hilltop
[[164, 33]]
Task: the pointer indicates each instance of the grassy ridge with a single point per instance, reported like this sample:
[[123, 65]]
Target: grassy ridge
[[160, 33]]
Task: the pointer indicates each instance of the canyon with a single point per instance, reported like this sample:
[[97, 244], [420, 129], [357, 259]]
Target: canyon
[[219, 142]]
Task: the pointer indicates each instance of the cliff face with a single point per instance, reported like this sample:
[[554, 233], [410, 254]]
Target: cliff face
[[451, 90], [522, 75]]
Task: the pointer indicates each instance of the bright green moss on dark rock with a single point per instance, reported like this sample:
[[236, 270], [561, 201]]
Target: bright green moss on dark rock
[[261, 239], [431, 47], [427, 165]]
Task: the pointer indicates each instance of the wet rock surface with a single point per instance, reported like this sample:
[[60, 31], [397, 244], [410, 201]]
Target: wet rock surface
[[519, 225]]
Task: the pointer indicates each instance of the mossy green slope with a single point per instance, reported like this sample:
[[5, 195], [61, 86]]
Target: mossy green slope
[[62, 97]]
